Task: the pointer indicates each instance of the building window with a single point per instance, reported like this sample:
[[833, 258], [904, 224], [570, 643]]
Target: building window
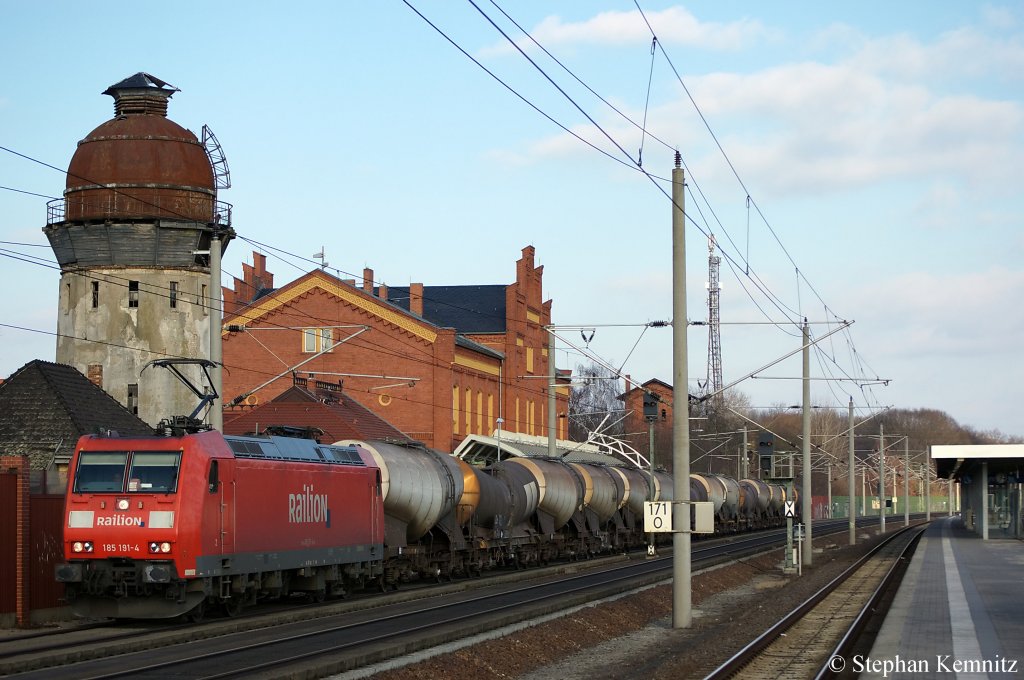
[[133, 293], [455, 409], [133, 398], [529, 360], [174, 295], [317, 340], [479, 412], [95, 294], [202, 297], [469, 409]]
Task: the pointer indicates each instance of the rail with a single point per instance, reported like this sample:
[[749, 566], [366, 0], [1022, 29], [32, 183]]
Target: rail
[[752, 650], [107, 207]]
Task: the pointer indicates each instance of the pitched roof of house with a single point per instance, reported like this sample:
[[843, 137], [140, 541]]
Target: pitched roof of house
[[643, 388], [338, 415], [46, 407]]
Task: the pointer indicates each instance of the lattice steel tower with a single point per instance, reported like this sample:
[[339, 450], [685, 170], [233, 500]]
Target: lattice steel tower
[[714, 382]]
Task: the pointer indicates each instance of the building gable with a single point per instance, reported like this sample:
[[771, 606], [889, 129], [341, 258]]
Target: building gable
[[319, 281]]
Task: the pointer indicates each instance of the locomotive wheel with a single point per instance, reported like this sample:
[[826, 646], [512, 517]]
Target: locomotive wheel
[[197, 613], [233, 606]]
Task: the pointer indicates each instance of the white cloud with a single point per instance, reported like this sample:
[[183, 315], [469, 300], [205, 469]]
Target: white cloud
[[999, 17], [945, 315], [815, 127], [965, 52], [674, 25]]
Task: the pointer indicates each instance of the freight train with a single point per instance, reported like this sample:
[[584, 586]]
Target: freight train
[[165, 526]]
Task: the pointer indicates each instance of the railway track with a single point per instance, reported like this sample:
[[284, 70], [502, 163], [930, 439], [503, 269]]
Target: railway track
[[806, 642], [116, 652]]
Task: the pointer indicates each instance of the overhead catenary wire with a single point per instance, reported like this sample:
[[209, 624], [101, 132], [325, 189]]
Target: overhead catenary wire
[[745, 260]]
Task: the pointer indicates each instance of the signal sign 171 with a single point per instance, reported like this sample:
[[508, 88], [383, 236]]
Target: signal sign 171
[[658, 517]]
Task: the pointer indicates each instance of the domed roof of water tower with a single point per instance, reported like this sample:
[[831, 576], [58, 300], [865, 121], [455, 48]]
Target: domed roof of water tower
[[140, 164]]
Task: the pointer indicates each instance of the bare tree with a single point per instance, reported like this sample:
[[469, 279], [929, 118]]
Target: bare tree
[[594, 398]]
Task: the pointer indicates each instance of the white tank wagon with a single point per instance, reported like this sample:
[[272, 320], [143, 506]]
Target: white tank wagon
[[638, 489], [424, 491], [562, 489], [731, 506], [609, 491], [524, 494], [756, 496], [420, 486], [710, 488]]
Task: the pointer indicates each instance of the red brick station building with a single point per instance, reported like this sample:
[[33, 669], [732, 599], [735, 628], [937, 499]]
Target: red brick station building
[[436, 362]]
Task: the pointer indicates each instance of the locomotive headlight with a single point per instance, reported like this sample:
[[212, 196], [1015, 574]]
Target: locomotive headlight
[[122, 503], [155, 547], [77, 547], [165, 547]]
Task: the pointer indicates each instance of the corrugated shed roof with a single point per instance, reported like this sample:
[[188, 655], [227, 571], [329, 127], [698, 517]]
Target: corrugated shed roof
[[481, 449], [46, 407], [298, 407]]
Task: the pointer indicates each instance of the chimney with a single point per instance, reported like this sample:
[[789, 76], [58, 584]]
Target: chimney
[[416, 298], [95, 374], [383, 292], [368, 280]]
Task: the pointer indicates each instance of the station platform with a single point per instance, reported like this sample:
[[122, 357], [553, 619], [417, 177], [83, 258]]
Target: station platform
[[959, 612]]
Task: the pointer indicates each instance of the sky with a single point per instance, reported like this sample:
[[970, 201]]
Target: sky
[[854, 162]]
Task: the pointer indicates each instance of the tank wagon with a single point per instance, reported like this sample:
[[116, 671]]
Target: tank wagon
[[161, 526]]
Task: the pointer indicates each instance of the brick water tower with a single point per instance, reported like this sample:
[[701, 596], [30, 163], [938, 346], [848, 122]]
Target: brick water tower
[[133, 238]]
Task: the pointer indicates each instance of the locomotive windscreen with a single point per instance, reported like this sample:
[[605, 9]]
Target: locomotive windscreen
[[154, 472], [100, 471], [148, 471]]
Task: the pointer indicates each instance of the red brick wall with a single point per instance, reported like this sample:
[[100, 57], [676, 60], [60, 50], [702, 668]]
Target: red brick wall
[[636, 423], [19, 466], [406, 379]]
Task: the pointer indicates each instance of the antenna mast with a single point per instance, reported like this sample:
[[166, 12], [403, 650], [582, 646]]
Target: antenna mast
[[714, 382]]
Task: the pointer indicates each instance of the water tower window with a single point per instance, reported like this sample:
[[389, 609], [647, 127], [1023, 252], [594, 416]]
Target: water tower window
[[133, 398], [174, 295], [95, 294], [133, 293]]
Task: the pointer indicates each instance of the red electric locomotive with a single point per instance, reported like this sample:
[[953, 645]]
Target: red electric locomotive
[[157, 527]]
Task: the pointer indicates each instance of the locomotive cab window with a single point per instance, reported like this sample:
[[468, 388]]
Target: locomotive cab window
[[100, 471], [154, 472]]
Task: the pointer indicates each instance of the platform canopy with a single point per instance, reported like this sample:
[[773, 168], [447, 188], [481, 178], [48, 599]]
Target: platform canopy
[[481, 450], [956, 462]]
